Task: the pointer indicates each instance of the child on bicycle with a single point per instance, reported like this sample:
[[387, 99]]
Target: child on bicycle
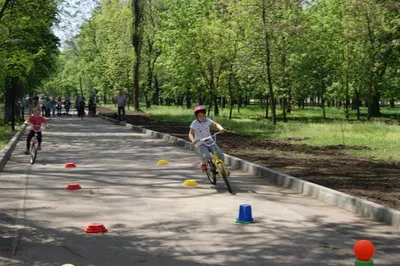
[[200, 129], [36, 119]]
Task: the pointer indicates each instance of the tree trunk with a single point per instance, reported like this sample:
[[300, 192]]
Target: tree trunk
[[391, 102], [230, 95], [223, 102], [80, 85], [137, 10], [240, 101], [10, 97], [149, 75], [179, 100], [284, 102], [188, 98], [231, 109], [323, 99], [347, 103], [216, 108], [289, 105], [156, 95], [268, 63], [374, 107], [4, 7], [148, 103], [213, 99], [105, 94]]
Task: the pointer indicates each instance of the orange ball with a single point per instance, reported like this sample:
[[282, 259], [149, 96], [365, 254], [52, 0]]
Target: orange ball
[[364, 250]]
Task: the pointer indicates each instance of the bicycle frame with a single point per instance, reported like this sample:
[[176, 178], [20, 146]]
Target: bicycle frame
[[209, 142], [218, 164], [33, 148], [34, 138]]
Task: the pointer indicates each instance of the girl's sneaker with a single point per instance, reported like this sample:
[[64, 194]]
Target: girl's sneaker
[[203, 167]]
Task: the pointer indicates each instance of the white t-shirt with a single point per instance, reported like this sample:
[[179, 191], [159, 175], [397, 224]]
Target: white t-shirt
[[201, 130]]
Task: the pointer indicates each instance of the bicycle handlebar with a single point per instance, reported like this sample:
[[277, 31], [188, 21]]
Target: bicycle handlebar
[[211, 140], [41, 128]]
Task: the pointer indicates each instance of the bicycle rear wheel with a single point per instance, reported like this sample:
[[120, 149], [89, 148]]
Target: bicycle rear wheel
[[223, 173], [33, 153], [211, 173]]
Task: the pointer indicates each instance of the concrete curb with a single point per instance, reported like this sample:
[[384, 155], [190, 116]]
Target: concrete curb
[[9, 148], [356, 205]]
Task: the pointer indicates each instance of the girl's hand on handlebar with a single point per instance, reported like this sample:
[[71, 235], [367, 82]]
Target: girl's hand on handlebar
[[195, 141], [222, 131]]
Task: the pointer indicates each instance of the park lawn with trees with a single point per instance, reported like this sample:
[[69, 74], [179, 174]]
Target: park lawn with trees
[[224, 53], [374, 139]]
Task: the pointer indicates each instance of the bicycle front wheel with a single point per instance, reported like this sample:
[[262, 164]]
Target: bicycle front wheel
[[211, 175], [224, 174], [33, 153]]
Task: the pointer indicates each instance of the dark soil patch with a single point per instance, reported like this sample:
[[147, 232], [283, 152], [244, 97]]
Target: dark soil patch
[[329, 166]]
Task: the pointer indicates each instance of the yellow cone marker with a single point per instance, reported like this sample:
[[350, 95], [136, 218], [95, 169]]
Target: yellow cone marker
[[162, 162], [190, 183]]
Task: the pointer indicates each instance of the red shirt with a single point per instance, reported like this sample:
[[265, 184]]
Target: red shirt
[[36, 122]]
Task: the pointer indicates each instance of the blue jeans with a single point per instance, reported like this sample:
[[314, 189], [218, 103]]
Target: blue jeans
[[204, 151]]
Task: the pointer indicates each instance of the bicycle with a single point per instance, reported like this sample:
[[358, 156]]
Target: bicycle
[[215, 166], [33, 148]]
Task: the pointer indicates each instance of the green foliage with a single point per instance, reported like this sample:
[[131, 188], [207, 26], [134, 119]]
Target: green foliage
[[28, 48], [325, 52]]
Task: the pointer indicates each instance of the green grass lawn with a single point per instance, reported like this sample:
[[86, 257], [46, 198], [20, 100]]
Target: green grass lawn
[[378, 135], [5, 134], [5, 130]]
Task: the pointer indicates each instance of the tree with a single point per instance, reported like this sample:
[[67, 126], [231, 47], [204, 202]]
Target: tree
[[30, 58], [4, 7], [137, 38]]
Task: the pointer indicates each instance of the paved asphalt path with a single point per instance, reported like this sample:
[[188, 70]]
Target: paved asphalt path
[[151, 218]]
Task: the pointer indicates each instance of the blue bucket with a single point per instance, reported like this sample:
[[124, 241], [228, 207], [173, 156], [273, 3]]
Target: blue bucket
[[245, 215]]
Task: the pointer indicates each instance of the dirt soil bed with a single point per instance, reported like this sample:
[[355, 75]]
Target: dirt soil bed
[[329, 166]]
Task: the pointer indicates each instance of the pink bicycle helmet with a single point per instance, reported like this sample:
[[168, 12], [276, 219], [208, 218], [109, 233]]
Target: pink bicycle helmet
[[198, 109]]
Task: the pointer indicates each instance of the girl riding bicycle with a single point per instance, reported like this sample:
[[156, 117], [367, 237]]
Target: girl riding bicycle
[[36, 119], [200, 129]]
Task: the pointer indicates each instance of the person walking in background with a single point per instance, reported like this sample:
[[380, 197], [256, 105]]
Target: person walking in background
[[23, 103], [18, 108], [49, 106], [59, 106], [67, 105], [35, 103], [92, 107], [30, 105], [81, 107], [43, 103], [53, 106], [121, 101]]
